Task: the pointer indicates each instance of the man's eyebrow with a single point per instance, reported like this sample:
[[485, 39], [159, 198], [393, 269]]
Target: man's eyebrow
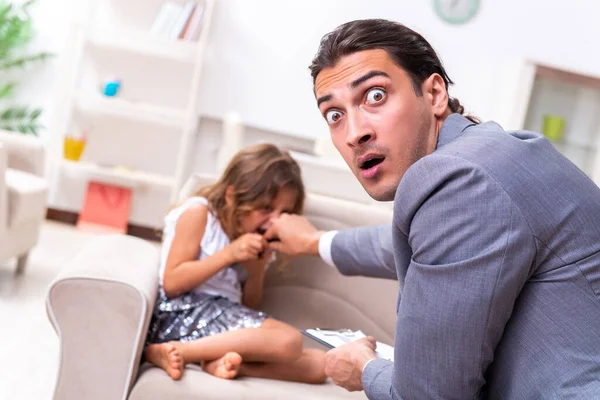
[[366, 77], [322, 99], [354, 84]]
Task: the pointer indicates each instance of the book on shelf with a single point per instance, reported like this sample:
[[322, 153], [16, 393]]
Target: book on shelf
[[165, 19], [194, 27], [179, 20]]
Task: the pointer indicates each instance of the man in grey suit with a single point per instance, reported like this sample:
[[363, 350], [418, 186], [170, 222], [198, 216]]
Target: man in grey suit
[[495, 236]]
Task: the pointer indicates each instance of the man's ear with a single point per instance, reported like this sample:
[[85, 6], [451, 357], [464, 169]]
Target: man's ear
[[435, 89], [229, 195]]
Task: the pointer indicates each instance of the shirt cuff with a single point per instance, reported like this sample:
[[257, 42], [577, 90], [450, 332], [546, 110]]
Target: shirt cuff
[[325, 242]]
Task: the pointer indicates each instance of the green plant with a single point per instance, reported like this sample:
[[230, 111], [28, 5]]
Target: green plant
[[15, 33]]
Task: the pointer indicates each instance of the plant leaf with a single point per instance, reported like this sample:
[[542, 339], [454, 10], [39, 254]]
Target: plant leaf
[[20, 112], [28, 3], [21, 61], [7, 114], [35, 114], [7, 90], [22, 128]]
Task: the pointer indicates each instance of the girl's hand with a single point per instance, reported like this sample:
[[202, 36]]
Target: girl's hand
[[247, 247], [257, 267]]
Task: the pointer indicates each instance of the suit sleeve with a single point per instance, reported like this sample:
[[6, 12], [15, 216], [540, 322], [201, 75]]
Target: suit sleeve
[[472, 253], [366, 251]]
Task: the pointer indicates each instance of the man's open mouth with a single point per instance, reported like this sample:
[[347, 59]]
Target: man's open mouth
[[371, 162]]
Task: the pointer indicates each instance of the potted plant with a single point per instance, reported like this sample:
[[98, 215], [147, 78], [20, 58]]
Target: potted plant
[[15, 33]]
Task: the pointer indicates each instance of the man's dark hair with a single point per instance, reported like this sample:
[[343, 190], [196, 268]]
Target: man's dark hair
[[407, 48]]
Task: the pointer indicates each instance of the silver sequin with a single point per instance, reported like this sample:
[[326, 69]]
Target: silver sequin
[[196, 315]]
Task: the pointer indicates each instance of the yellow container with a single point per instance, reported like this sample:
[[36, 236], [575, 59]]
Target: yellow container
[[554, 127], [73, 148]]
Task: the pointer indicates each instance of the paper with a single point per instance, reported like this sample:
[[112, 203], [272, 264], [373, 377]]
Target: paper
[[336, 338]]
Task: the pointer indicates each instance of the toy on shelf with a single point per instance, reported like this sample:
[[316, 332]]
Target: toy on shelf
[[111, 87]]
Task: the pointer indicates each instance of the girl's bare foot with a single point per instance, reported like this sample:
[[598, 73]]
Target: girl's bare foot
[[167, 357], [226, 367]]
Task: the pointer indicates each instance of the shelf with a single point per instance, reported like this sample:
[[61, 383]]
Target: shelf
[[565, 144], [114, 106], [146, 44], [115, 175]]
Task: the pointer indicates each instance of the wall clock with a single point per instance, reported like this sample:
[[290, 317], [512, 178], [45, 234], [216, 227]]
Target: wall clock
[[456, 11]]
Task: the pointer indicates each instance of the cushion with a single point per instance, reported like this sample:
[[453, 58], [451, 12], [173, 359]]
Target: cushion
[[154, 384]]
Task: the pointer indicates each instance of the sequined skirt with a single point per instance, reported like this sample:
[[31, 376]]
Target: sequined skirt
[[196, 315]]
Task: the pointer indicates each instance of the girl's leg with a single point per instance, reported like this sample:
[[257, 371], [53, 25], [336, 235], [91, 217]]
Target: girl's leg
[[309, 368], [274, 341]]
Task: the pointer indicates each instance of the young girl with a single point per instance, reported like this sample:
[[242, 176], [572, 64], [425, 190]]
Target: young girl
[[212, 272]]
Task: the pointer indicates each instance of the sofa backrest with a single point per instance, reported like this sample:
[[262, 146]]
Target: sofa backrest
[[308, 293]]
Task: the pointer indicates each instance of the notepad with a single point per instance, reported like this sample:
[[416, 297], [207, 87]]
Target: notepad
[[333, 338]]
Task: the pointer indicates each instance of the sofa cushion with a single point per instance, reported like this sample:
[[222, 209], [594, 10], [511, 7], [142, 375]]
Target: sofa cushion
[[26, 196], [307, 293], [154, 384]]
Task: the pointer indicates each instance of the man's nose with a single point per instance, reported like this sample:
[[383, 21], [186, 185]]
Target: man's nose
[[359, 131]]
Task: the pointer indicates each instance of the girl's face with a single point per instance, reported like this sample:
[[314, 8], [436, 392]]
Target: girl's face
[[260, 220]]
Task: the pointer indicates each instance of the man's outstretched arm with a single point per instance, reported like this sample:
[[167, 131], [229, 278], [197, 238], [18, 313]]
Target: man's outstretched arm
[[366, 251], [363, 251]]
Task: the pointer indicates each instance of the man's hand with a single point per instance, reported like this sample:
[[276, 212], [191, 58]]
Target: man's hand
[[344, 365], [293, 235]]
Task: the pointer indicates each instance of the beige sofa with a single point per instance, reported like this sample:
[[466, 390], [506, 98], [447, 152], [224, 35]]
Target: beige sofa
[[23, 193], [101, 305]]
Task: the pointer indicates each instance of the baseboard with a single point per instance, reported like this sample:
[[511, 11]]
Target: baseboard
[[69, 217]]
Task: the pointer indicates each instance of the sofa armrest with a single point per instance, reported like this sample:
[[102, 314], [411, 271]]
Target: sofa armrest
[[24, 152], [3, 191], [100, 306]]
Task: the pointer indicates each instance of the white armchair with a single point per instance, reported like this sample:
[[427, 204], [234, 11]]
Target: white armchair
[[23, 192]]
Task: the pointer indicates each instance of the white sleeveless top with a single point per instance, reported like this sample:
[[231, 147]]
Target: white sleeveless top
[[227, 282]]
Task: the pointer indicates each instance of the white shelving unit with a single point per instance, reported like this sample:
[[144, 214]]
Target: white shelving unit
[[533, 90], [182, 51], [116, 107], [116, 176], [140, 139]]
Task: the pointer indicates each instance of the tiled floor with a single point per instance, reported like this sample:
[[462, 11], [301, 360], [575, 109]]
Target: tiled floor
[[28, 344]]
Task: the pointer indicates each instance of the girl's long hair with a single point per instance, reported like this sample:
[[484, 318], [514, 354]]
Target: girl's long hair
[[256, 174]]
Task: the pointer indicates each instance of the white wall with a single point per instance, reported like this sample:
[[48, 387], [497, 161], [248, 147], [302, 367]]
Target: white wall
[[260, 50]]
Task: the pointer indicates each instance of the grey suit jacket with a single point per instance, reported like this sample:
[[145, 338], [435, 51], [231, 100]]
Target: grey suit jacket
[[496, 243]]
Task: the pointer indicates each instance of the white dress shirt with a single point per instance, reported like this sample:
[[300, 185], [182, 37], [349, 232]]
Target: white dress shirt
[[325, 247]]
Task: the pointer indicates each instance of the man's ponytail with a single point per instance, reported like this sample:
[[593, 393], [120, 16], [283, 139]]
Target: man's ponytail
[[458, 108]]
